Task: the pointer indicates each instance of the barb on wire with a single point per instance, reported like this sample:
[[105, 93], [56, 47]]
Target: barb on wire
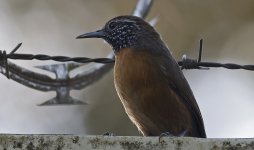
[[4, 60], [200, 50], [188, 63], [185, 63]]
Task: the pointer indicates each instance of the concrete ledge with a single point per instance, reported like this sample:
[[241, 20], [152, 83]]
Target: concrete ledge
[[75, 142]]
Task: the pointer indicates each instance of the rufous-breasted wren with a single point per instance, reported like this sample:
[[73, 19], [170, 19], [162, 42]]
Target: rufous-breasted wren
[[151, 86]]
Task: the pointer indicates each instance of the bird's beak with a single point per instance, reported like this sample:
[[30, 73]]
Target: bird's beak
[[95, 34]]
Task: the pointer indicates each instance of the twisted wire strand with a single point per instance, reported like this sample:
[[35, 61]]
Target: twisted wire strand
[[59, 58], [185, 63]]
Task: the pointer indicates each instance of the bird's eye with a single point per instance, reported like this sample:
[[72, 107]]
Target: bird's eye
[[112, 25]]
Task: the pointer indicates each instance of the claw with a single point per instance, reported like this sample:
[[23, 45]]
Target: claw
[[182, 134], [168, 134], [165, 134], [108, 134]]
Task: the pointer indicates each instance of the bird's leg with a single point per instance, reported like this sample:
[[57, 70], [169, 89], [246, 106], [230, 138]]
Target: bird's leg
[[108, 134], [168, 134]]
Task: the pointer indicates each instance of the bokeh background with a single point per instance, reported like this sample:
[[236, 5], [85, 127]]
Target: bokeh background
[[49, 27]]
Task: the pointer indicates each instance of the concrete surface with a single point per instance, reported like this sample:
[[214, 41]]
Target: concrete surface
[[78, 142]]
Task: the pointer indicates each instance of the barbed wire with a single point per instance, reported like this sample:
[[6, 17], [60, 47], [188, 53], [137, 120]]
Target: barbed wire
[[185, 63]]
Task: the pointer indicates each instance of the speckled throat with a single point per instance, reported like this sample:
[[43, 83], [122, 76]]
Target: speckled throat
[[122, 37]]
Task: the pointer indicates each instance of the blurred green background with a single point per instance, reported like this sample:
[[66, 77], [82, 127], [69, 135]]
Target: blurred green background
[[49, 27]]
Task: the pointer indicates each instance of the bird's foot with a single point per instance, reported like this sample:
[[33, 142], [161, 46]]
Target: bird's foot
[[108, 134], [182, 134], [168, 134]]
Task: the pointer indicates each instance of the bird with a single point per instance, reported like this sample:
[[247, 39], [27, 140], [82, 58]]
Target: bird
[[150, 84]]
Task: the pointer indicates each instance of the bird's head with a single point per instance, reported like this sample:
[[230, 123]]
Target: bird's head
[[124, 32]]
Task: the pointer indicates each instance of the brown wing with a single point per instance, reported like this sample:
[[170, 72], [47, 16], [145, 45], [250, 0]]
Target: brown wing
[[177, 81]]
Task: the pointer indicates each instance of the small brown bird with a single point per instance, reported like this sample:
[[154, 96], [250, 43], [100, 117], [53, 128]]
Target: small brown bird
[[153, 90]]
